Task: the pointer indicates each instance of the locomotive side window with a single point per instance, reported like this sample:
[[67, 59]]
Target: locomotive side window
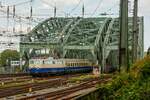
[[81, 64], [31, 62], [75, 63], [70, 64], [67, 64]]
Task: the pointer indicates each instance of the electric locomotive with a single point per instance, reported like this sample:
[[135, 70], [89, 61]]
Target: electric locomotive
[[51, 66]]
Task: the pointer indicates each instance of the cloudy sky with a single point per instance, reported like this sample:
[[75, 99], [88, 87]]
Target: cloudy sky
[[92, 8]]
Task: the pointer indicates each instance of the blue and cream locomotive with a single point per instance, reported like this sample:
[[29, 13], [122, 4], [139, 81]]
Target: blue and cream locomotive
[[51, 66]]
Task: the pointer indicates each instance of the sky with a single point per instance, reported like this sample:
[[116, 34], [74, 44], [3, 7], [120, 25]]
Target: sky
[[93, 8]]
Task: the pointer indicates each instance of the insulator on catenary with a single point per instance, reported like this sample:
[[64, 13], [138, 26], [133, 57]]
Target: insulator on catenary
[[7, 11], [14, 11], [31, 11]]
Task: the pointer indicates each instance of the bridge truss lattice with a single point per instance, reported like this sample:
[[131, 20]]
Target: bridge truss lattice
[[96, 39]]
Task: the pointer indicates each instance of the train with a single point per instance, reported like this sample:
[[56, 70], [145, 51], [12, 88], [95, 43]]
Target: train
[[51, 66]]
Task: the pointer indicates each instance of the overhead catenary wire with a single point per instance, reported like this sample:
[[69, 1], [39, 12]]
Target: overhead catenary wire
[[73, 9], [14, 5], [95, 10], [10, 11], [22, 3], [16, 16], [108, 11], [115, 5], [54, 6], [17, 4]]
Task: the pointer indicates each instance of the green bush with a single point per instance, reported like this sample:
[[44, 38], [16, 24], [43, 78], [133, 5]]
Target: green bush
[[8, 55], [129, 86]]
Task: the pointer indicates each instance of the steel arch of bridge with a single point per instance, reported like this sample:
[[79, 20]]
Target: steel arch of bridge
[[88, 38]]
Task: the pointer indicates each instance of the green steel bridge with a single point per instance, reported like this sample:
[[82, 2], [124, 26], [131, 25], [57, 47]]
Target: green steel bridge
[[96, 39]]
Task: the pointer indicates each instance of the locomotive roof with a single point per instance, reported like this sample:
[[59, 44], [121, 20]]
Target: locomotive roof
[[66, 59]]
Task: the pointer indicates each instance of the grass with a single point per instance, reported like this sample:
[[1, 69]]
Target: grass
[[81, 78], [86, 77]]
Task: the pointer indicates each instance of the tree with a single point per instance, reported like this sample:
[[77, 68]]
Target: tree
[[148, 51], [0, 60], [8, 55]]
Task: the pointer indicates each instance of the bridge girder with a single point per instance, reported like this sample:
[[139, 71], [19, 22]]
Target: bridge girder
[[89, 38]]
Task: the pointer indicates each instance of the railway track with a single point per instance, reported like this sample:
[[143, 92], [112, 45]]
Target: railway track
[[35, 86], [14, 75], [64, 94], [26, 88], [10, 80], [14, 78]]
